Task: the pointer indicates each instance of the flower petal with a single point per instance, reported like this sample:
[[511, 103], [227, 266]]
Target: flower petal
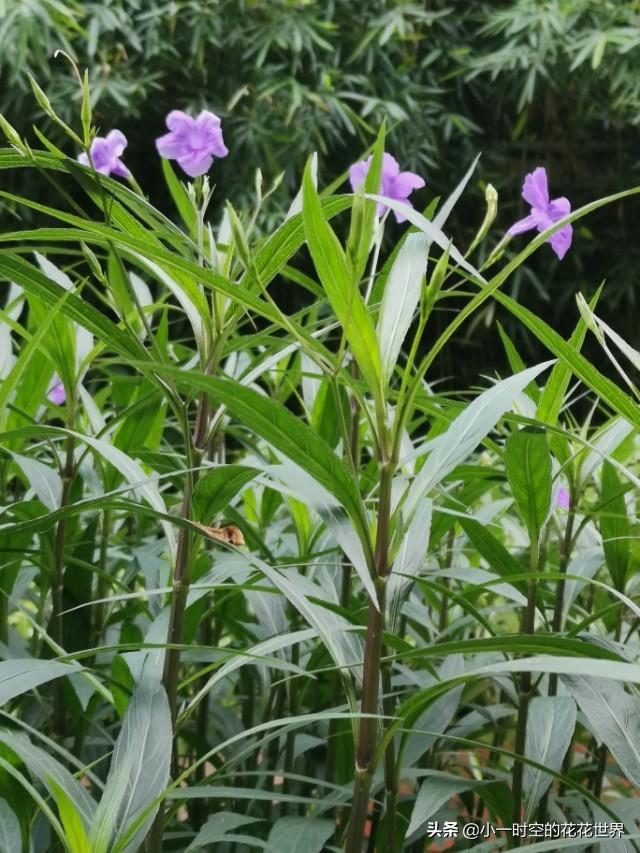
[[57, 394], [101, 155], [535, 188], [118, 168], [358, 173], [179, 121], [561, 241], [208, 122], [400, 217], [171, 146], [526, 224], [117, 142], [195, 163], [405, 183], [390, 167], [559, 208]]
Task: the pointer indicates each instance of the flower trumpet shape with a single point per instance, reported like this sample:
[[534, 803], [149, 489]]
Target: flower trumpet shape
[[106, 152], [544, 212]]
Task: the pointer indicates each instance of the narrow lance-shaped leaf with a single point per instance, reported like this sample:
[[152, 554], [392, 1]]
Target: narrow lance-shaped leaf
[[216, 488], [364, 214], [528, 463], [45, 482], [552, 396], [550, 727], [342, 292], [436, 790], [613, 716], [400, 300], [293, 834], [138, 774], [614, 526], [10, 835], [583, 369], [18, 675], [467, 431], [287, 433], [44, 767]]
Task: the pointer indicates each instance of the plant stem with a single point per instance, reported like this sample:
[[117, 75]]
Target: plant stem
[[57, 589], [294, 703], [528, 626], [180, 583], [565, 553], [390, 769], [102, 586], [368, 728], [556, 623]]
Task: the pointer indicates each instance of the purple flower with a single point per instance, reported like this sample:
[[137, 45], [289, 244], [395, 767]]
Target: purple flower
[[562, 499], [106, 152], [544, 212], [193, 142], [56, 394], [395, 184]]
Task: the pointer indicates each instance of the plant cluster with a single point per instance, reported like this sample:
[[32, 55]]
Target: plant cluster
[[262, 584]]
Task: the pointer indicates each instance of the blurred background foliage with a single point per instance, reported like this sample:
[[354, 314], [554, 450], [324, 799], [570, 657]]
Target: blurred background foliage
[[525, 81]]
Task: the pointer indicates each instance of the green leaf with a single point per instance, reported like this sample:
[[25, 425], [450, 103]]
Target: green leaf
[[43, 767], [179, 196], [217, 827], [343, 293], [467, 431], [34, 282], [294, 834], [528, 463], [216, 488], [10, 835], [401, 298], [436, 790], [17, 675], [490, 547], [550, 726], [45, 482], [608, 391], [287, 433], [614, 526], [364, 213], [74, 831], [613, 716], [139, 772], [553, 393]]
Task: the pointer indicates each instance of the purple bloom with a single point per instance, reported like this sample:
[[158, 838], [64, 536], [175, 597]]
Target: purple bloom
[[106, 152], [56, 394], [395, 184], [544, 212], [562, 499], [193, 142]]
